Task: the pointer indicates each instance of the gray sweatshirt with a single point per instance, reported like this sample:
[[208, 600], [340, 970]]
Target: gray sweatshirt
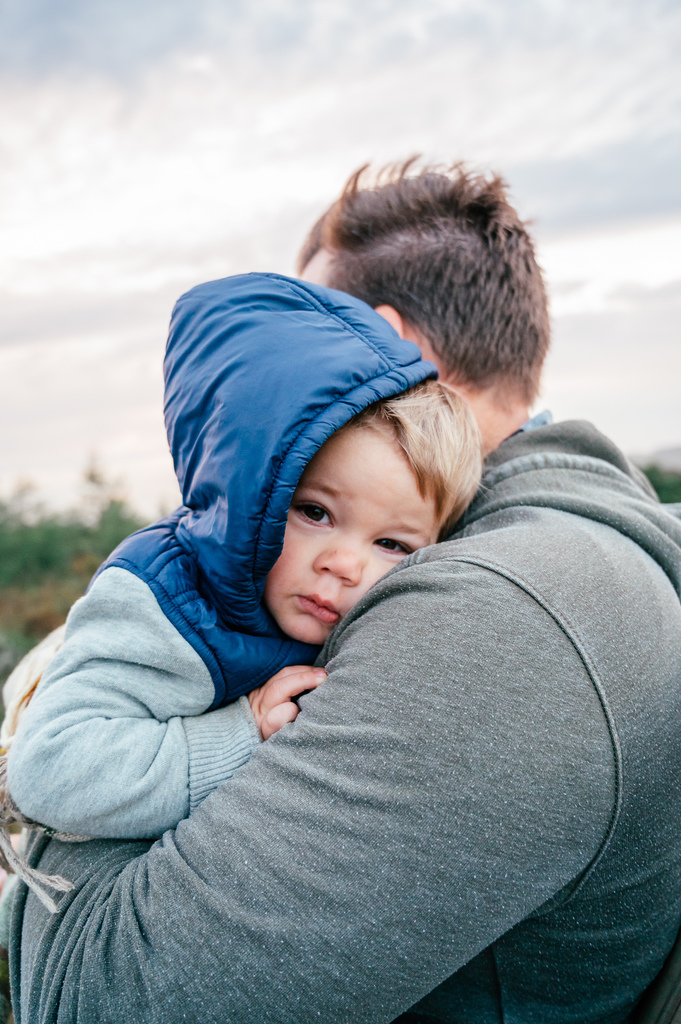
[[477, 814]]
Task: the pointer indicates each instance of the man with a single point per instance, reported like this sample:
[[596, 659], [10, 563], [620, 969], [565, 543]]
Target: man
[[448, 263], [476, 817]]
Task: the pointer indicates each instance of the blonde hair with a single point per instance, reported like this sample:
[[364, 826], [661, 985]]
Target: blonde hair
[[439, 437]]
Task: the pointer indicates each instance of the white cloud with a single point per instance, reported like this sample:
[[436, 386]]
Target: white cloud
[[118, 190], [597, 271], [197, 152]]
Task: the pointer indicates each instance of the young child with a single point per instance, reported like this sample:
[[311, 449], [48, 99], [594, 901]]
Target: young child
[[313, 454]]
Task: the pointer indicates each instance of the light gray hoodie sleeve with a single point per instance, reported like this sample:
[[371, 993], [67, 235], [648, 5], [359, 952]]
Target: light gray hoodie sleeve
[[115, 743]]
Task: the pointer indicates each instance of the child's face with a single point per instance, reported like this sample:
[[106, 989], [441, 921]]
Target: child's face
[[355, 514]]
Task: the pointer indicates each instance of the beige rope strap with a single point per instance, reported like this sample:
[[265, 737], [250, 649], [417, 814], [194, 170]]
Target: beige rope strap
[[17, 693]]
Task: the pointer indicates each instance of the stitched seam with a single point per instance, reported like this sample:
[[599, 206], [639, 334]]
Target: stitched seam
[[320, 306], [571, 634], [262, 676], [187, 596], [497, 980], [600, 513], [123, 563], [293, 442], [147, 577], [323, 307], [555, 460]]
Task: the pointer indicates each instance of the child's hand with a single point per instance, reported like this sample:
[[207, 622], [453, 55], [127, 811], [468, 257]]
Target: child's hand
[[272, 703]]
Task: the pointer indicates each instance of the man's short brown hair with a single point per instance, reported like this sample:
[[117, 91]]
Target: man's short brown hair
[[446, 249]]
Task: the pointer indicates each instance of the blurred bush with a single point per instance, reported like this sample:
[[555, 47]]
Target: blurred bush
[[666, 482], [47, 559]]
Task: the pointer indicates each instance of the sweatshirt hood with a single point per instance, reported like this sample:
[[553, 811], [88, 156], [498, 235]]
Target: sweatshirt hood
[[260, 370], [572, 467]]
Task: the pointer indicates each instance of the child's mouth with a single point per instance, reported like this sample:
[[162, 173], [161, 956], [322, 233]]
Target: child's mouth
[[321, 610]]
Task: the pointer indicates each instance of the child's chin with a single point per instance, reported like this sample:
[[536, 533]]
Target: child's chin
[[313, 632]]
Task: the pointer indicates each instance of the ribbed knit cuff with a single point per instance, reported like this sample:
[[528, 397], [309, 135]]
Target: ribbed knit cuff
[[219, 742]]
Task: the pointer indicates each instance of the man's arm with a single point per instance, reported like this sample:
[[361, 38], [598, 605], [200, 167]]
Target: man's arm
[[411, 815]]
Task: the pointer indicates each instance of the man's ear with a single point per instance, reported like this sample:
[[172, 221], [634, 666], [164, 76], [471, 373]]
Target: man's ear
[[409, 333], [394, 318], [316, 270]]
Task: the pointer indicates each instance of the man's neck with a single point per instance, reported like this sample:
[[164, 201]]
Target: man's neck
[[496, 417]]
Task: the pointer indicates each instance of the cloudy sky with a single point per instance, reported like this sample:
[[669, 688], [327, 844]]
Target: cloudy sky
[[150, 144]]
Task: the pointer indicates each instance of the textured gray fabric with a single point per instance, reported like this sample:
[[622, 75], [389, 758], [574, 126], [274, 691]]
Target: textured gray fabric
[[110, 746], [477, 813]]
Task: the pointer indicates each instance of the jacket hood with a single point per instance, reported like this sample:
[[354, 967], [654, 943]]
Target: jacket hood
[[572, 467], [260, 370]]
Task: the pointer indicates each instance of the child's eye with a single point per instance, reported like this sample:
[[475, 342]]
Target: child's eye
[[393, 545], [314, 512]]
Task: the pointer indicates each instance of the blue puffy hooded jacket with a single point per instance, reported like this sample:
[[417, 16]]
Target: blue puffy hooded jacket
[[260, 370]]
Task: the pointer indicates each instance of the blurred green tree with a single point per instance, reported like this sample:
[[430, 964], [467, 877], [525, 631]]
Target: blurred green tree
[[47, 558], [666, 482]]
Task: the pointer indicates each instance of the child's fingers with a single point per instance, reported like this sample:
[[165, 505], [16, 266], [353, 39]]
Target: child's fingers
[[278, 692], [291, 670], [276, 717], [283, 687]]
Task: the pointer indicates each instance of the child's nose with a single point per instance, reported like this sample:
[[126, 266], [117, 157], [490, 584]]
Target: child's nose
[[347, 563]]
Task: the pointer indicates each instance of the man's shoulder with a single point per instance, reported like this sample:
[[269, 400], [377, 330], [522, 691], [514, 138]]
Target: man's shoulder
[[563, 505], [528, 539], [583, 571]]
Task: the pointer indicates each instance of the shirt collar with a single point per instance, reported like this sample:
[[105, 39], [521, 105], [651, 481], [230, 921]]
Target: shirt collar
[[542, 419]]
